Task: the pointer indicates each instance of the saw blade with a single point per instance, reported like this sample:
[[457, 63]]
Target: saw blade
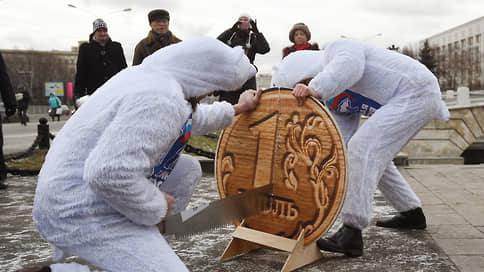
[[218, 213]]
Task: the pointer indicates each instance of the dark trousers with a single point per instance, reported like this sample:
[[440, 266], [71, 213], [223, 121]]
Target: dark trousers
[[53, 113], [233, 97], [3, 168], [22, 115]]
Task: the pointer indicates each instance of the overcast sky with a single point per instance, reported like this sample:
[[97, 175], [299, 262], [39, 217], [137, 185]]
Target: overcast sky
[[52, 25]]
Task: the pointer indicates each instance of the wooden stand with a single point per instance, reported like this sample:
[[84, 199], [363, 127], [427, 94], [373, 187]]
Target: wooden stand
[[245, 240]]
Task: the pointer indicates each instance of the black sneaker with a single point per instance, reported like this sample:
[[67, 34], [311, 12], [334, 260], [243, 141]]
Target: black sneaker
[[413, 219], [3, 186], [347, 240]]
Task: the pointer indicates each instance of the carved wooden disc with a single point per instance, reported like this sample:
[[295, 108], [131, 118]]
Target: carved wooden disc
[[297, 148]]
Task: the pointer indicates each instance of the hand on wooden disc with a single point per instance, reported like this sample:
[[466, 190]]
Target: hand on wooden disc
[[247, 101], [170, 203], [301, 91]]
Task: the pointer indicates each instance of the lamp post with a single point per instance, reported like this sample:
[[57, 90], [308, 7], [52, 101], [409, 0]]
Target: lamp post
[[372, 36], [362, 39], [95, 15]]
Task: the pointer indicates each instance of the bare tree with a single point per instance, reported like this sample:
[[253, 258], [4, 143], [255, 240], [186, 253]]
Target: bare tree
[[33, 68], [409, 52]]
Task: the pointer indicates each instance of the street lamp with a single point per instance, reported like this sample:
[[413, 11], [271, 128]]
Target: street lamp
[[373, 36], [87, 11], [363, 39]]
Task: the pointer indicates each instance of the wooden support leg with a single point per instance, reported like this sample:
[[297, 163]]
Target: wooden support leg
[[238, 246], [302, 255], [245, 240]]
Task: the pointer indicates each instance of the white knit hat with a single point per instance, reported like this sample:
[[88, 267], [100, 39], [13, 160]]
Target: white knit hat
[[245, 14]]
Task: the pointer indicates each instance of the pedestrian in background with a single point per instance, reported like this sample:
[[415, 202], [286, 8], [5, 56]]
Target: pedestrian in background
[[23, 104], [55, 103], [10, 105], [246, 34], [98, 60], [158, 37], [300, 36]]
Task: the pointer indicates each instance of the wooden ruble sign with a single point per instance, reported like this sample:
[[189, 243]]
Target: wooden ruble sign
[[297, 148]]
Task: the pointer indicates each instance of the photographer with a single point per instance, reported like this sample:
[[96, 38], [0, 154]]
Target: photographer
[[244, 33]]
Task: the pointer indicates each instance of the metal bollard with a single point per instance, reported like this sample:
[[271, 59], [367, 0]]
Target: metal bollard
[[43, 133]]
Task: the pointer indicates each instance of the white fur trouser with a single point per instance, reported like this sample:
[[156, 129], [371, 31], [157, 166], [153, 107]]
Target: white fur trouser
[[371, 149], [132, 247]]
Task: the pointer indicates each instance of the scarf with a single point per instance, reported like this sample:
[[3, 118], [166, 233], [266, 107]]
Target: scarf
[[302, 47], [164, 39]]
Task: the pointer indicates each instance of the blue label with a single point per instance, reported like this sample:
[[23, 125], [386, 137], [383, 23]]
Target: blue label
[[161, 172], [349, 102]]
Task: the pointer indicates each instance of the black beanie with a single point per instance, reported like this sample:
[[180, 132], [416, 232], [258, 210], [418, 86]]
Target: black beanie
[[158, 14]]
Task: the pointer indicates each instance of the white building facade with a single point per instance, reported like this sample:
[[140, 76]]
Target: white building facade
[[459, 55]]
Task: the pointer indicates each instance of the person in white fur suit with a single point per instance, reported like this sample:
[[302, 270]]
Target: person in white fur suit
[[399, 94], [115, 171]]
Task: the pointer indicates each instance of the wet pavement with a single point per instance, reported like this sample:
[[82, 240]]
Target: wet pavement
[[385, 250]]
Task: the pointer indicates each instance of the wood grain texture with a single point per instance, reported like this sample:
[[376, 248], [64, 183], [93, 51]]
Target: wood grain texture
[[297, 148]]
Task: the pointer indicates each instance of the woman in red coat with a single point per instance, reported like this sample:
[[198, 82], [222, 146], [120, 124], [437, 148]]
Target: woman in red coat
[[299, 35]]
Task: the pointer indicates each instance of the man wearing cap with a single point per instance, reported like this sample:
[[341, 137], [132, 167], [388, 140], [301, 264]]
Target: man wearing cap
[[246, 34], [158, 37], [98, 60]]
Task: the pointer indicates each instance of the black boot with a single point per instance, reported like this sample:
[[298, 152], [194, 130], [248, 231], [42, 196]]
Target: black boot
[[347, 240], [413, 219]]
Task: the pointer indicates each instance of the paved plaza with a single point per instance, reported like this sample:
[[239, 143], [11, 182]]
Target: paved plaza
[[452, 196]]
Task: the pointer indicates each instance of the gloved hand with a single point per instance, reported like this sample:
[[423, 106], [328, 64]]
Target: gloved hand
[[235, 27], [10, 111], [253, 26]]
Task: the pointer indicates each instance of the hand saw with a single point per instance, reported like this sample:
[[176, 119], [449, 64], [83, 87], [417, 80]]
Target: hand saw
[[218, 213]]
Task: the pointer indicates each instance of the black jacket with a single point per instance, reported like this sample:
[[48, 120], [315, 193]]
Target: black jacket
[[23, 103], [8, 96], [96, 64], [258, 43]]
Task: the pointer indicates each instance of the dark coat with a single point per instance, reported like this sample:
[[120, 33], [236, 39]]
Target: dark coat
[[258, 43], [288, 50], [8, 96], [150, 45], [23, 103], [96, 64]]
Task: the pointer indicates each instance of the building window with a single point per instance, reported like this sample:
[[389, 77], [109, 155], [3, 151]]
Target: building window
[[463, 43], [470, 40], [478, 38]]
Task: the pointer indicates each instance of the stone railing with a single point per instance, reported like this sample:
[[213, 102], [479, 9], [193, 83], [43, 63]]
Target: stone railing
[[444, 142]]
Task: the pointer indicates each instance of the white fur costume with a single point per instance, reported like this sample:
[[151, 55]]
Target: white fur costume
[[408, 95], [93, 197]]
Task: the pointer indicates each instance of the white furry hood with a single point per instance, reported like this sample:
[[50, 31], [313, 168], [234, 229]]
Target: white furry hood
[[202, 65], [297, 66]]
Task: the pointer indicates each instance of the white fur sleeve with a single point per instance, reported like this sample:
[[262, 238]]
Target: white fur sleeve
[[140, 133], [210, 118], [344, 66]]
